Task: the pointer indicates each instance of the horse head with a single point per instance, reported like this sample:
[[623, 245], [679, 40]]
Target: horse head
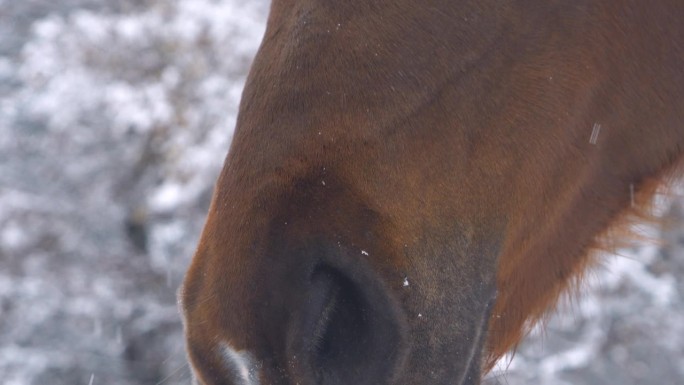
[[412, 185]]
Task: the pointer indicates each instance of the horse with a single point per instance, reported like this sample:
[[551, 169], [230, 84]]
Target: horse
[[412, 185]]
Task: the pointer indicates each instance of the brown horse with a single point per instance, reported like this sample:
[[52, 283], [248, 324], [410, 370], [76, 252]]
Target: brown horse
[[412, 184]]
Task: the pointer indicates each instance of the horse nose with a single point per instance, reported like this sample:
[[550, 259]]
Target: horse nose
[[348, 330]]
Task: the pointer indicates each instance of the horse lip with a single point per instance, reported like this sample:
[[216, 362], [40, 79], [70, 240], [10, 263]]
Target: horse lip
[[241, 364]]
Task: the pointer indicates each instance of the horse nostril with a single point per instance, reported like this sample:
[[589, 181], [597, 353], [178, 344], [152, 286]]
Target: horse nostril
[[340, 319], [348, 330]]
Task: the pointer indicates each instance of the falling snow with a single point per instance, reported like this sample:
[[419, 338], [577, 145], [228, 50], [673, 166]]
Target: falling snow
[[595, 130]]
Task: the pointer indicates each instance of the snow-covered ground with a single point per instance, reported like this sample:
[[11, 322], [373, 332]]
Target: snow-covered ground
[[115, 118]]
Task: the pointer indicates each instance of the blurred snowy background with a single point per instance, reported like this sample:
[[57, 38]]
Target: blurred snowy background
[[115, 117]]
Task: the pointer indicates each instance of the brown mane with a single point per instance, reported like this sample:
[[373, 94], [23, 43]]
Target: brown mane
[[619, 233]]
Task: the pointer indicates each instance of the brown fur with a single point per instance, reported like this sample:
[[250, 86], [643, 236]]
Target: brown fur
[[619, 234], [451, 142]]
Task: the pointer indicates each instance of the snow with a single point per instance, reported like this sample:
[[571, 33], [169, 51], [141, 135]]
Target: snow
[[595, 130], [6, 70], [12, 236], [115, 119], [167, 197]]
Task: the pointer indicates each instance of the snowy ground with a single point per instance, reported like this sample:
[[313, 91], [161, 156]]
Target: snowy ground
[[114, 121]]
